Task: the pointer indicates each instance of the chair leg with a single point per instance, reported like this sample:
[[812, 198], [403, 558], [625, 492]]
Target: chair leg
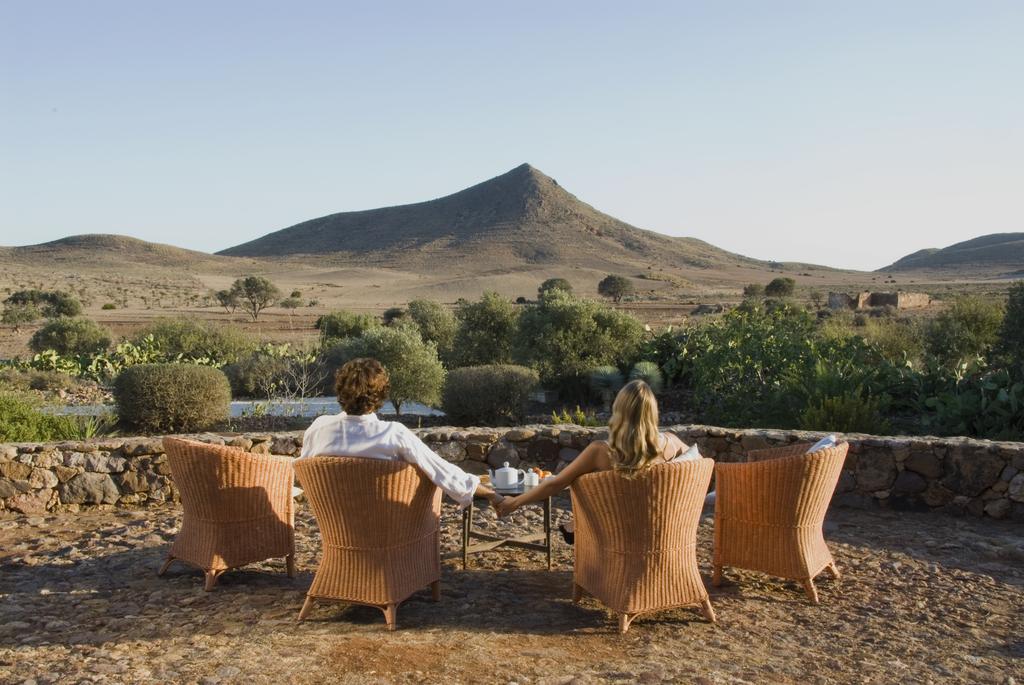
[[624, 621], [812, 592], [290, 562], [833, 571], [211, 579], [577, 594], [707, 610], [716, 576], [435, 591], [390, 614], [307, 606], [166, 564]]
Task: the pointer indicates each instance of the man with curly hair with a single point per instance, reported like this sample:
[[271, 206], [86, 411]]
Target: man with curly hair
[[362, 386]]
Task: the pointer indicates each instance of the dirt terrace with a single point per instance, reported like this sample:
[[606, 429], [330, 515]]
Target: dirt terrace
[[924, 598]]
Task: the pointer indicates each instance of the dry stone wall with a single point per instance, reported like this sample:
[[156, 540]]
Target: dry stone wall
[[974, 477]]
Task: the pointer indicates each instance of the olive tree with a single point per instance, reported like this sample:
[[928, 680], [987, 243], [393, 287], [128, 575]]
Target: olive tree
[[227, 299], [554, 284], [564, 337], [255, 294], [615, 287], [415, 370], [486, 330], [436, 323]]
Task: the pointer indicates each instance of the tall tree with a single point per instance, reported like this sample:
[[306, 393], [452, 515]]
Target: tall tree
[[255, 294], [615, 287]]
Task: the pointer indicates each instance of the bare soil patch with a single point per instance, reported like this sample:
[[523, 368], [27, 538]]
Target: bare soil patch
[[924, 598]]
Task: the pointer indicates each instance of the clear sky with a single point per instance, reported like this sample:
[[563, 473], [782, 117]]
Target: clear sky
[[841, 133]]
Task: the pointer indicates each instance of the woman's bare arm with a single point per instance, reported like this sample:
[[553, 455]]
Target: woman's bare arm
[[587, 461]]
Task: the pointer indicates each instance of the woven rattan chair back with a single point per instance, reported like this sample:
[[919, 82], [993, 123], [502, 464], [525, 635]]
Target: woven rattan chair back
[[237, 507], [380, 527], [636, 538], [769, 512]]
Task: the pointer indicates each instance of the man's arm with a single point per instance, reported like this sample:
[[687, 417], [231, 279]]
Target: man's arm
[[455, 482]]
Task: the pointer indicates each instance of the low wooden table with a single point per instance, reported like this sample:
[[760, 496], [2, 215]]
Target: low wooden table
[[492, 541]]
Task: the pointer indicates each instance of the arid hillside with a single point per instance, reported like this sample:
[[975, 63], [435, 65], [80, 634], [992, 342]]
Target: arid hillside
[[522, 218], [997, 255]]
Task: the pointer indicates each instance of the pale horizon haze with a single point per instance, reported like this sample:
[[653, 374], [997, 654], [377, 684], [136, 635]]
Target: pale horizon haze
[[843, 134]]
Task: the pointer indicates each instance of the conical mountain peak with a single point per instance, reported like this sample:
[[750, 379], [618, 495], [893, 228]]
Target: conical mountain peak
[[521, 217]]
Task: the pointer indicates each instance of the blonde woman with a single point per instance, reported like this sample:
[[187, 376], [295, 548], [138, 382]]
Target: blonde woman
[[634, 444]]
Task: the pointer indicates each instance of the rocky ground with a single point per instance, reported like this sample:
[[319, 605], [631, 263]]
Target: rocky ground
[[924, 598]]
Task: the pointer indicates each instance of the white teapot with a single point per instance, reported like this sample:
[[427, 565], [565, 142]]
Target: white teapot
[[507, 477]]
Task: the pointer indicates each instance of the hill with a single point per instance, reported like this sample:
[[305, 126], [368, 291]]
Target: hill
[[106, 250], [994, 255], [521, 219]]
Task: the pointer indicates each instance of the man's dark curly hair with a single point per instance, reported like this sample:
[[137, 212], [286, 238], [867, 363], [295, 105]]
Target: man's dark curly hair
[[362, 386]]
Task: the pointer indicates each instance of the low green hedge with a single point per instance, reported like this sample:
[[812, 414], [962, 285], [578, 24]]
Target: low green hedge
[[171, 398], [488, 394]]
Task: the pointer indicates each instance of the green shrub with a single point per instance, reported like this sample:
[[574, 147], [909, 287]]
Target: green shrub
[[898, 341], [172, 398], [392, 315], [564, 337], [780, 287], [72, 337], [739, 362], [576, 416], [21, 420], [437, 324], [31, 379], [988, 404], [486, 331], [846, 414], [1011, 335], [753, 291], [554, 284], [189, 339], [258, 375], [341, 324], [967, 328], [107, 306], [649, 373], [20, 313], [488, 394], [49, 303], [415, 370]]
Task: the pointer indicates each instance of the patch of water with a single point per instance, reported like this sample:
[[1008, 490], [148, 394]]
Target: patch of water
[[308, 407]]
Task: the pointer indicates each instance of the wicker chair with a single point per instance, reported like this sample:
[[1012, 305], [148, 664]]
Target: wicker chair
[[636, 539], [769, 512], [238, 508], [380, 524]]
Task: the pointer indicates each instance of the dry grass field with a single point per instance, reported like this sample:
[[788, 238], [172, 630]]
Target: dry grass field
[[181, 283]]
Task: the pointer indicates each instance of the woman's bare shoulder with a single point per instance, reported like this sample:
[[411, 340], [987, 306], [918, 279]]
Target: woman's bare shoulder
[[601, 454]]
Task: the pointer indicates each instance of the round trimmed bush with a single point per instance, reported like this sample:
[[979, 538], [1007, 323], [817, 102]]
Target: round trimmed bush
[[172, 398], [73, 337], [488, 394], [649, 373]]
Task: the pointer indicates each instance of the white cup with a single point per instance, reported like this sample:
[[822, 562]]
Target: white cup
[[531, 480]]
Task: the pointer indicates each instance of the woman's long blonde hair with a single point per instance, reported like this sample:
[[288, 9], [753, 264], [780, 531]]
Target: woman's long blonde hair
[[633, 429]]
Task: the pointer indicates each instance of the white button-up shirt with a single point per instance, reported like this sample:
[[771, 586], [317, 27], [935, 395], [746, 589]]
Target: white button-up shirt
[[345, 435]]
